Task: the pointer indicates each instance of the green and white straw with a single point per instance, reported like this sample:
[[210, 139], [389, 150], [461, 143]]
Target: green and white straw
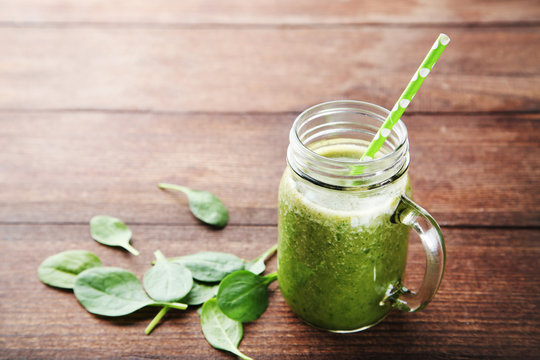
[[406, 97]]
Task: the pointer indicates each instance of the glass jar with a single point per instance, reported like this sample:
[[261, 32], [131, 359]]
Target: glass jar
[[344, 223]]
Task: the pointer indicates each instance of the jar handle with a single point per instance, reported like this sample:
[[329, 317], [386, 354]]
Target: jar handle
[[412, 215]]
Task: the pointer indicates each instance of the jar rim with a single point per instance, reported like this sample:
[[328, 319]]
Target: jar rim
[[351, 102], [309, 164]]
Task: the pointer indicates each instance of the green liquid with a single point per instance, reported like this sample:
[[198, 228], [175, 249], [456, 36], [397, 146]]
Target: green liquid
[[335, 265]]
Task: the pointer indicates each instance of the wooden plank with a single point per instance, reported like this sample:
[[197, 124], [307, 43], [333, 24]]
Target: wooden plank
[[270, 12], [485, 308], [67, 167], [264, 69], [477, 170]]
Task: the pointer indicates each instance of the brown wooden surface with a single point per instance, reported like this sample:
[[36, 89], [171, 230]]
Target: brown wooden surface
[[101, 100], [91, 67], [270, 12]]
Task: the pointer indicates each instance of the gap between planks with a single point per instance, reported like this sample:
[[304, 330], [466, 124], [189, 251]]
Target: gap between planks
[[236, 113], [269, 225], [268, 25]]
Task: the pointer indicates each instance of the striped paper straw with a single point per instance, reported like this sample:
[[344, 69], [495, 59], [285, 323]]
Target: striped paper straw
[[406, 97]]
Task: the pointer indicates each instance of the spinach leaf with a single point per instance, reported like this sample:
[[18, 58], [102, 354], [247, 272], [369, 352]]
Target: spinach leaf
[[111, 231], [60, 270], [258, 266], [219, 330], [242, 295], [200, 292], [210, 266], [167, 281], [111, 291], [204, 205]]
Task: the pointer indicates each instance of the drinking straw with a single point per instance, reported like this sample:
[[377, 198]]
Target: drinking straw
[[406, 97]]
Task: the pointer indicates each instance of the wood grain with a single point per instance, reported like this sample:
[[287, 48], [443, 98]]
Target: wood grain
[[485, 308], [264, 70], [101, 100], [67, 167], [270, 11]]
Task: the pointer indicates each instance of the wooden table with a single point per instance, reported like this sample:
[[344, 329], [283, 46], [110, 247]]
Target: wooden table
[[101, 100]]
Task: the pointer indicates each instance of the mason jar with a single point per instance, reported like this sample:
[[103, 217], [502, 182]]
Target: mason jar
[[344, 223]]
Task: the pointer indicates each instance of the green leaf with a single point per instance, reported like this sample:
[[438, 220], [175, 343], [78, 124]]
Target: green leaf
[[167, 281], [219, 330], [111, 291], [204, 205], [242, 295], [60, 270], [200, 292], [210, 266], [258, 265], [111, 231]]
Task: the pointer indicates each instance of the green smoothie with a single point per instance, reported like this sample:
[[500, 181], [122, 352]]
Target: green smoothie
[[338, 250]]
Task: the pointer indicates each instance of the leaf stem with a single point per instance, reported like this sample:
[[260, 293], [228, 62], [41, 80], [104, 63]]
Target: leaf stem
[[241, 355], [156, 320], [159, 256], [268, 253], [173, 187], [271, 277], [174, 305], [131, 249]]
